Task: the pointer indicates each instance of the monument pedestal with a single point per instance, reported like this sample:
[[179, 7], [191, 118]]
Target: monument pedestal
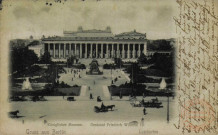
[[94, 68]]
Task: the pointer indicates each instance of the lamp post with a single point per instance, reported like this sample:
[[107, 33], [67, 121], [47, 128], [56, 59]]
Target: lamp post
[[111, 83], [120, 62], [56, 75], [168, 104], [111, 76], [132, 79]]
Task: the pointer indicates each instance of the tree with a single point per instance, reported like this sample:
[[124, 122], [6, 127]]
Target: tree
[[22, 58], [118, 62], [134, 70], [142, 59], [45, 58], [164, 63], [71, 60]]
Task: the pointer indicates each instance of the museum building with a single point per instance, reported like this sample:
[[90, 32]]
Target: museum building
[[96, 44]]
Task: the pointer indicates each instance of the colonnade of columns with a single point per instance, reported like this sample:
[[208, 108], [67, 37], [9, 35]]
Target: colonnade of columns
[[96, 50]]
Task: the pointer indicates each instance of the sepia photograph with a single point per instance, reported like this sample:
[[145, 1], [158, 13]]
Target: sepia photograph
[[98, 63], [92, 71]]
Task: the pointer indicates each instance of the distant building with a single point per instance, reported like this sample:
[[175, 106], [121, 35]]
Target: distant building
[[37, 47], [161, 46], [151, 53], [96, 44]]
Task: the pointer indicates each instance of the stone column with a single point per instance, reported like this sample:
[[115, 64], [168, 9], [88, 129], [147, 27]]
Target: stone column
[[145, 48], [139, 51], [96, 50], [136, 52], [107, 52], [80, 51], [91, 50], [123, 51], [59, 49], [86, 48], [128, 51], [64, 52], [118, 51], [75, 50], [70, 50], [133, 52], [53, 50], [49, 48], [102, 51], [112, 51]]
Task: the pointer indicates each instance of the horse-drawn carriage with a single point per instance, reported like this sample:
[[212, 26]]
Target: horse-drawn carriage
[[13, 114], [37, 98], [17, 98], [100, 109], [154, 103], [71, 99], [103, 108], [136, 104]]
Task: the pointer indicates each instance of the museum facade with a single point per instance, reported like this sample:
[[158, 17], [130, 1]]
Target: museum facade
[[96, 44]]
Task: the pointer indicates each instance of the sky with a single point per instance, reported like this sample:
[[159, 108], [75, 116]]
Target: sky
[[22, 18]]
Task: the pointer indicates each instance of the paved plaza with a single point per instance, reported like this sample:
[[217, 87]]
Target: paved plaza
[[95, 84], [57, 108]]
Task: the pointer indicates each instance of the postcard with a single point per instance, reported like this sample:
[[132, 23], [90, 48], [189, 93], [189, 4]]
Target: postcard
[[108, 67]]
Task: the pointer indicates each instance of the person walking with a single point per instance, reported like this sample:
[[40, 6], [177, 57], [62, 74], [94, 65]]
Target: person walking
[[99, 99], [102, 106], [144, 111], [143, 101], [121, 96], [142, 122], [90, 96]]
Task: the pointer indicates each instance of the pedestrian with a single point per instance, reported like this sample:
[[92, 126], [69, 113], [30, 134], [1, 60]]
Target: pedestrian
[[102, 106], [121, 95], [90, 96], [142, 122], [99, 99], [143, 101], [144, 111]]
